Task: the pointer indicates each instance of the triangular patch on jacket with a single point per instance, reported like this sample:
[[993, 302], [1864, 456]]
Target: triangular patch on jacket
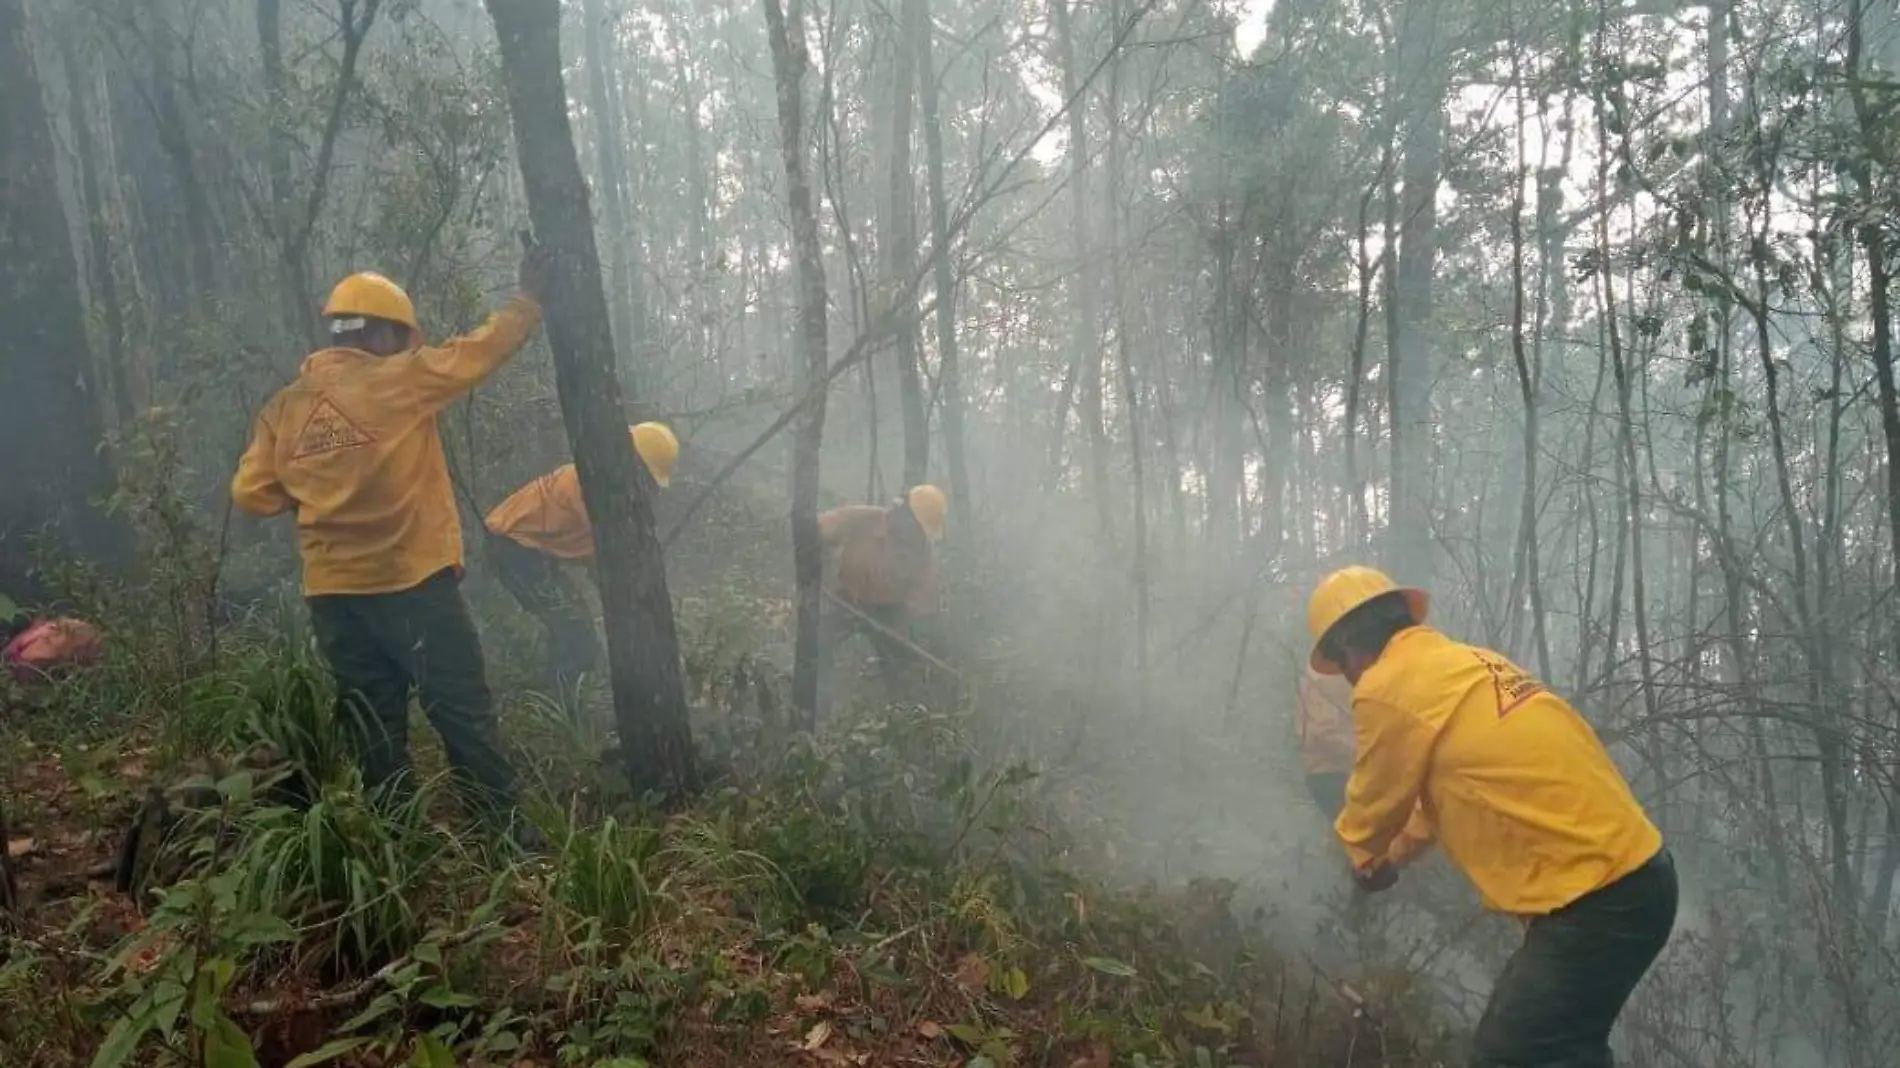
[[328, 430]]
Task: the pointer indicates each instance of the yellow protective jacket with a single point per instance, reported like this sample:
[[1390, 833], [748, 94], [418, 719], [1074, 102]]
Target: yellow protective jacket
[[1525, 799], [352, 447], [547, 515], [1327, 747], [875, 569]]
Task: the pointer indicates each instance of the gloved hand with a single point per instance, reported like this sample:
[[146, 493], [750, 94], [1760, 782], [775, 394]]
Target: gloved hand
[[1383, 877]]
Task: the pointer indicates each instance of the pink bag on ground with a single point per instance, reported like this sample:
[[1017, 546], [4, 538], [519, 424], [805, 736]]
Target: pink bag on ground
[[51, 644]]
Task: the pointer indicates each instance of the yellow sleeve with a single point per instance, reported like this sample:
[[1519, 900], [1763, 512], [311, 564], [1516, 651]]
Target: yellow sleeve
[[1388, 775], [840, 524], [549, 504], [434, 376], [255, 487], [1414, 841]]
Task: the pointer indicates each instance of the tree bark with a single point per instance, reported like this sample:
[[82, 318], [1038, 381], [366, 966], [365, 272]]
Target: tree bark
[[626, 306], [1527, 390], [1085, 355], [949, 363], [49, 418], [899, 245], [642, 644], [1409, 541], [1872, 237], [1131, 395], [105, 283], [294, 225], [786, 27]]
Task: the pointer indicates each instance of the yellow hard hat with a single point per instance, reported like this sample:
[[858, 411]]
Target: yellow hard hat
[[1341, 592], [929, 505], [368, 294], [658, 447]]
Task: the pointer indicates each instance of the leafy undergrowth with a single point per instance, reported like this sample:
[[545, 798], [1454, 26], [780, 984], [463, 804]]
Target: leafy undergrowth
[[878, 895]]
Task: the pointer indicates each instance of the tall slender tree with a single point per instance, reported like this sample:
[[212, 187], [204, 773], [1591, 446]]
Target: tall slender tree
[[790, 61], [49, 397], [642, 643]]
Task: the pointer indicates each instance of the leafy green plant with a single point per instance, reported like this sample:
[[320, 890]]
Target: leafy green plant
[[288, 704], [358, 878], [605, 876], [176, 971]]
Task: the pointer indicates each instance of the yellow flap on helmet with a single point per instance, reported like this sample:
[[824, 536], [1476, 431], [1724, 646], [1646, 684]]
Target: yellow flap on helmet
[[929, 505], [367, 293], [1341, 592], [658, 447]]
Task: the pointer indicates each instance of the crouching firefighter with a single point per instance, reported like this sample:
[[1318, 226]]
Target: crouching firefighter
[[1525, 801], [351, 447], [885, 582], [542, 526]]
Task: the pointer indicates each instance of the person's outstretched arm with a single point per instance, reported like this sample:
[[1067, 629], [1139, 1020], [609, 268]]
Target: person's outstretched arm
[[431, 378], [255, 487], [1388, 776]]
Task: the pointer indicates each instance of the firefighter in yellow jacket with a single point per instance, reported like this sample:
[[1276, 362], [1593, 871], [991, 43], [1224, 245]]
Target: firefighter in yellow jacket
[[351, 448], [886, 573], [1525, 801], [543, 525]]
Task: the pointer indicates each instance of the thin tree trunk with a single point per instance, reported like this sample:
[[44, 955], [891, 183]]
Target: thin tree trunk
[[610, 179], [1365, 271], [1874, 160], [642, 643], [1626, 427], [949, 362], [105, 282], [900, 244], [295, 226], [1410, 547], [1131, 397], [1527, 389], [1085, 356], [786, 28], [49, 424]]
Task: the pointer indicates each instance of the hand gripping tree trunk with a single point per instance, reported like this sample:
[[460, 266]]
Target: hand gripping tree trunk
[[789, 63], [642, 646]]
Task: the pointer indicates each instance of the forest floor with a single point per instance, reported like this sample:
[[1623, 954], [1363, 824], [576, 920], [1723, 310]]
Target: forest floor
[[897, 889], [803, 912]]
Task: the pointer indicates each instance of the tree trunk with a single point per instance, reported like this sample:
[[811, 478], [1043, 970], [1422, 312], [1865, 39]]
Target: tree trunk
[[1085, 356], [642, 645], [49, 418], [789, 64], [610, 172], [1630, 472], [105, 283], [1527, 392], [949, 364], [1131, 395], [899, 244], [1873, 241], [1409, 544], [1358, 518]]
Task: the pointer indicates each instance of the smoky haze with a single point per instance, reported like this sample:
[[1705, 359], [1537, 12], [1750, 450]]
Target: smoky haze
[[1576, 313]]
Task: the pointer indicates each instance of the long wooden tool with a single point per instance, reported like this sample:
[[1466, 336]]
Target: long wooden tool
[[916, 650]]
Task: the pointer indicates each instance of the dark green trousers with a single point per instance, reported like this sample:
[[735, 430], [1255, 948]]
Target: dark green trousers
[[381, 646], [537, 581], [1561, 992]]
